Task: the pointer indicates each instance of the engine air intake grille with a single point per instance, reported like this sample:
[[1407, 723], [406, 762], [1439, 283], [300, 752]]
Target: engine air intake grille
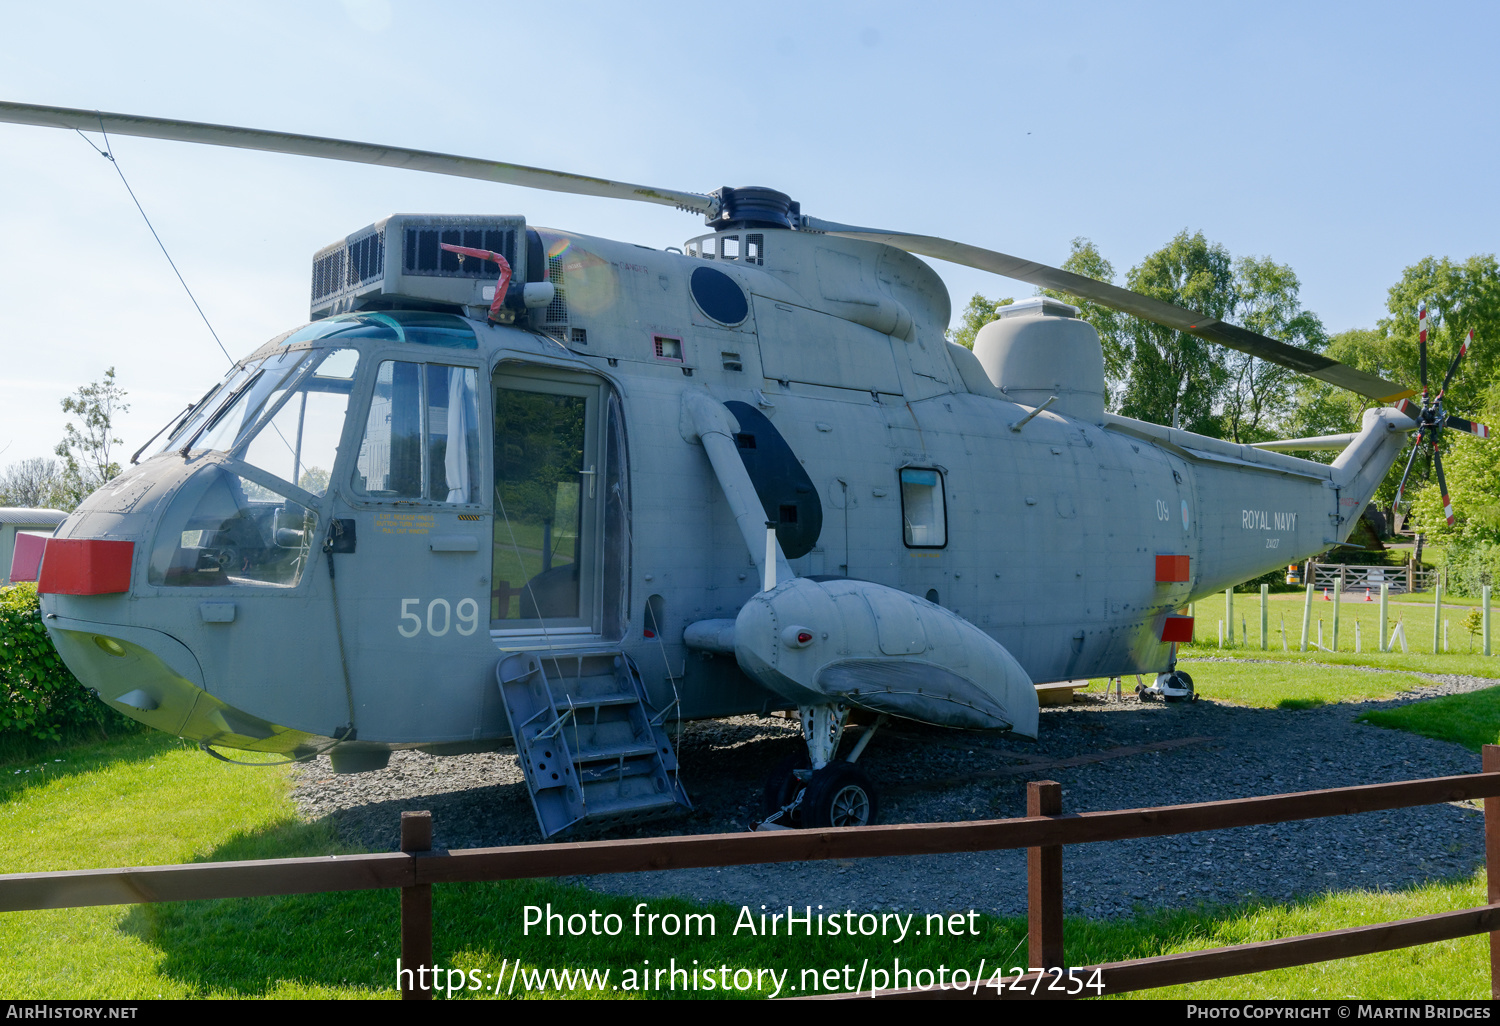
[[422, 254]]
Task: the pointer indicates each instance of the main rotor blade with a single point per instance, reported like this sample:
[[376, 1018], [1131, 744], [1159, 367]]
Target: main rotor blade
[[356, 152], [1116, 298]]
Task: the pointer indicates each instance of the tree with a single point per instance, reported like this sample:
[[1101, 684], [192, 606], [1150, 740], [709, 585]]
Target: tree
[[32, 484], [1459, 296], [1258, 399], [1174, 376], [976, 315], [87, 454], [1157, 374]]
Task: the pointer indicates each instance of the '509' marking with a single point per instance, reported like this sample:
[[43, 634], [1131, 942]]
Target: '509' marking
[[440, 618]]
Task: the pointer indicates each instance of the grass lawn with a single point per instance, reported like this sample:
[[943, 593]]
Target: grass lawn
[[148, 799], [1286, 685], [1358, 621], [1472, 720]]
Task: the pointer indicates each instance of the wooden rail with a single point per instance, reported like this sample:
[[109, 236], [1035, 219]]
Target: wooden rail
[[1354, 579], [1044, 831]]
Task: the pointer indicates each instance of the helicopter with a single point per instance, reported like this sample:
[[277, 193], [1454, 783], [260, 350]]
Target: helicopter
[[519, 483]]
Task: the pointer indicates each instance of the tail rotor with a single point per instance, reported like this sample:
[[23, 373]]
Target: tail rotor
[[1431, 419]]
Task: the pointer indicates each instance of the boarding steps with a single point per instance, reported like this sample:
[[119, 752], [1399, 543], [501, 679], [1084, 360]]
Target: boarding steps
[[591, 746]]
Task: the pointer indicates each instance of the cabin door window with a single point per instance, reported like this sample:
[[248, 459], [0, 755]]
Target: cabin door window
[[549, 502]]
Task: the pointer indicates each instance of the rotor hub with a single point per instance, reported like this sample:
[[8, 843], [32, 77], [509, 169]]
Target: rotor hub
[[753, 206]]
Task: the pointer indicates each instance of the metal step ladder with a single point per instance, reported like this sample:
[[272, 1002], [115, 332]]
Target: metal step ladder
[[591, 746]]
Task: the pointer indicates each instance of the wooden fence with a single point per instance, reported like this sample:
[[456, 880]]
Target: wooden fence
[[1354, 579], [1044, 831]]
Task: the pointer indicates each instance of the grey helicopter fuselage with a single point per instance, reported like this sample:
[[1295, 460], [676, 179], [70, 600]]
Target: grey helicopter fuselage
[[990, 483]]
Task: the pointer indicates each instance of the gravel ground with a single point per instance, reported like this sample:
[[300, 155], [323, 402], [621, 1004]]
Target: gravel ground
[[1114, 754]]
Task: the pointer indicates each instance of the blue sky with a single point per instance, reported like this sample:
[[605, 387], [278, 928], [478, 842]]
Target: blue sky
[[1347, 140]]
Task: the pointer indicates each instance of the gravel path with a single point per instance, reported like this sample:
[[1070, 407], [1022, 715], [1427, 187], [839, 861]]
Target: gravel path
[[1118, 754]]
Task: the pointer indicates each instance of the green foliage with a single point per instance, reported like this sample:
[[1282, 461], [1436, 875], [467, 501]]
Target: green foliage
[[1471, 564], [976, 315], [1259, 393], [39, 697], [1472, 467], [1474, 625], [33, 484], [87, 454], [1157, 374], [1174, 375]]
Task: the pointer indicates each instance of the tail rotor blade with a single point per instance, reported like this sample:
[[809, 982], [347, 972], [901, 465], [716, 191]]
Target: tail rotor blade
[[1443, 484], [1468, 341], [1473, 428], [1422, 345], [1410, 461]]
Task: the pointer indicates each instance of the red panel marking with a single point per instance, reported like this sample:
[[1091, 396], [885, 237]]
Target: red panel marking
[[1177, 628], [85, 566], [1171, 569], [27, 558]]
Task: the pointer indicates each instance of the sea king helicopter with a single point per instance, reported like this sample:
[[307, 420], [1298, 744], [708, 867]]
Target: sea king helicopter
[[518, 482]]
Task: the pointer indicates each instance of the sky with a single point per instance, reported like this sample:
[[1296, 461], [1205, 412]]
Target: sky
[[1348, 140]]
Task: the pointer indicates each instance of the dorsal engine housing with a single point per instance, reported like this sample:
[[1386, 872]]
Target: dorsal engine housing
[[1037, 348]]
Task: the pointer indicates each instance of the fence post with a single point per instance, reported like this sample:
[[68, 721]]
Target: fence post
[[1485, 595], [1338, 603], [1307, 613], [1044, 896], [416, 912], [1229, 613], [1437, 614], [1490, 764], [1265, 612], [1385, 610]]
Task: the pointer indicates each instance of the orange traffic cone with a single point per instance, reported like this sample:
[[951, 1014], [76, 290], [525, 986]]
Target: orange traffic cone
[[1367, 596], [1325, 596]]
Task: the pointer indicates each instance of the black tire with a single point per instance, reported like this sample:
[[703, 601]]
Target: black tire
[[1187, 682], [782, 786], [839, 795], [1180, 681]]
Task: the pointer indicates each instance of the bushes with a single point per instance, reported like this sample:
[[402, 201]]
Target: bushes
[[39, 697], [1471, 565]]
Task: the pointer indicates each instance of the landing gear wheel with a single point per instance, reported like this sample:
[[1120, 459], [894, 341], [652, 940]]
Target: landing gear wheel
[[782, 786], [1179, 688], [839, 795]]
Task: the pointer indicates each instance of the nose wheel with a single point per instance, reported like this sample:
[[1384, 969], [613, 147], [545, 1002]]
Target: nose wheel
[[839, 795], [835, 794]]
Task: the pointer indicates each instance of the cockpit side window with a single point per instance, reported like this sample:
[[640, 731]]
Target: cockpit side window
[[300, 440], [421, 437]]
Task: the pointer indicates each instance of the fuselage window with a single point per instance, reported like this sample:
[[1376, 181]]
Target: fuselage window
[[924, 514]]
